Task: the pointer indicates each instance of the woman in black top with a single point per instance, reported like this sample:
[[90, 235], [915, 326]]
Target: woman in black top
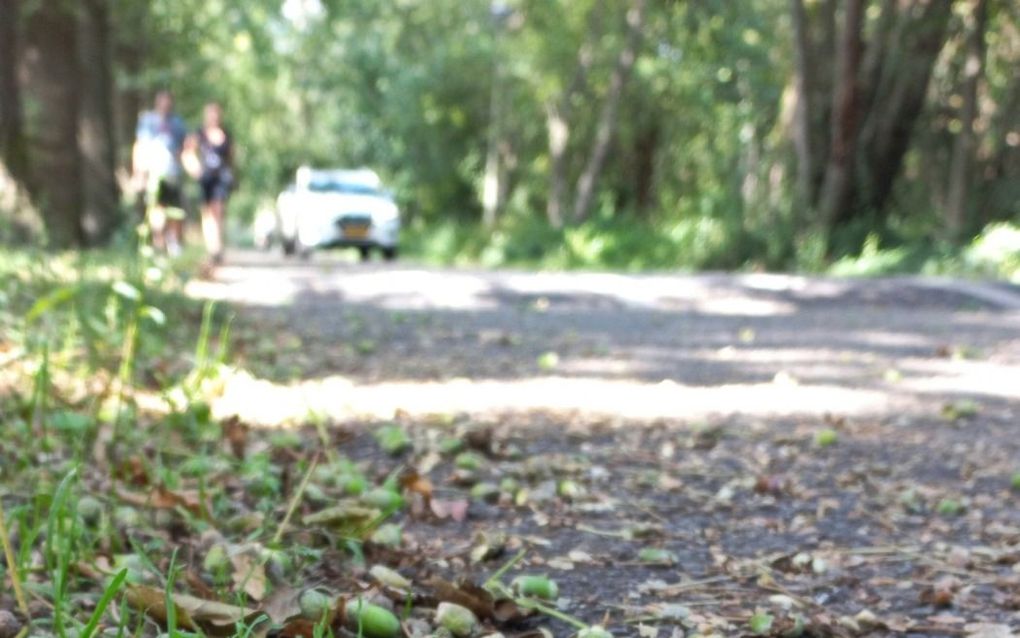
[[211, 152]]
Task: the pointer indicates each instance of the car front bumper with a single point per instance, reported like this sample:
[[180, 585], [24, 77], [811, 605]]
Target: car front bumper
[[349, 232]]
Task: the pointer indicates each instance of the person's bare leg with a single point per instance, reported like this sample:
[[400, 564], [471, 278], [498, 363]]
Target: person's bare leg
[[212, 228], [174, 236], [158, 222]]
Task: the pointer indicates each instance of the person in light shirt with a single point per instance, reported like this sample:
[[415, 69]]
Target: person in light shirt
[[156, 160]]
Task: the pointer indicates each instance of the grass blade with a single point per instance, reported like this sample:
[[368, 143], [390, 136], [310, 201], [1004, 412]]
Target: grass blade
[[12, 565], [112, 590]]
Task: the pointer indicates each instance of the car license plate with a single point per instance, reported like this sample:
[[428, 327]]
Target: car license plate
[[355, 231]]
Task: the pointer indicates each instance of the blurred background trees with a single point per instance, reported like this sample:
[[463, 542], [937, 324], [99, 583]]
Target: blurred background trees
[[774, 133]]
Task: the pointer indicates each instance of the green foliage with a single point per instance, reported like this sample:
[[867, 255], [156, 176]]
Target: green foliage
[[994, 252], [701, 167], [760, 623]]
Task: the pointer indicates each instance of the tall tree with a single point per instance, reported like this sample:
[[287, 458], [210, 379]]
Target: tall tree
[[495, 181], [96, 134], [839, 172], [874, 100], [130, 48], [51, 57], [607, 122], [804, 111], [896, 98], [558, 121], [12, 141], [961, 167]]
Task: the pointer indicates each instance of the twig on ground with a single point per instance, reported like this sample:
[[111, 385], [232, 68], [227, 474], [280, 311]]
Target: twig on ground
[[498, 574], [295, 499]]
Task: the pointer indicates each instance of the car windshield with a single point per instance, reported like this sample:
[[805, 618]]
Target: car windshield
[[347, 188]]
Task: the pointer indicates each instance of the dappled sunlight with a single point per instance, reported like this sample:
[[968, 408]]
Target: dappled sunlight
[[269, 289], [335, 397], [402, 288], [823, 391], [978, 378], [370, 339]]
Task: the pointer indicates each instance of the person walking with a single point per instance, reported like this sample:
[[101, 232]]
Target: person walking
[[156, 162], [209, 158]]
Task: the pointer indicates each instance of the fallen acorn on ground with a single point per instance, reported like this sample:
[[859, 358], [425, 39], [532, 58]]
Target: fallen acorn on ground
[[536, 586], [382, 498], [459, 621], [89, 509], [315, 603], [389, 577], [370, 620], [216, 559]]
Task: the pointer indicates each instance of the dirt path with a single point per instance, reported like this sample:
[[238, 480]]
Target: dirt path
[[837, 453], [348, 339]]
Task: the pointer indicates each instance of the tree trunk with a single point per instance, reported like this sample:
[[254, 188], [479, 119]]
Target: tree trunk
[[586, 184], [129, 51], [646, 149], [557, 120], [961, 167], [835, 197], [558, 131], [1005, 152], [12, 142], [803, 116], [52, 86], [96, 133], [494, 181], [898, 100]]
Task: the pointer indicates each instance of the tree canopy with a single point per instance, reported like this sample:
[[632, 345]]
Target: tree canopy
[[732, 134]]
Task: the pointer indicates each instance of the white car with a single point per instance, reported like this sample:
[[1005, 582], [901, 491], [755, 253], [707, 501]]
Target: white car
[[337, 208]]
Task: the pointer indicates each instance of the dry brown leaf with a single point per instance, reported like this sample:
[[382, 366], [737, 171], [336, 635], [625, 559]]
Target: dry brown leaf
[[132, 471], [152, 602], [236, 435], [212, 617], [453, 509], [475, 598], [282, 605], [988, 630], [197, 585], [414, 482], [249, 573], [162, 498], [298, 628]]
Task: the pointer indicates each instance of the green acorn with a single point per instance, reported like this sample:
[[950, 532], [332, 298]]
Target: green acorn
[[536, 587], [382, 498], [372, 621], [89, 509], [460, 621], [826, 437], [216, 559], [315, 603], [389, 577], [393, 439]]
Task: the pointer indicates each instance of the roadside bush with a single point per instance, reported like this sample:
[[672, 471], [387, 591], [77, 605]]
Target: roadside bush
[[996, 252]]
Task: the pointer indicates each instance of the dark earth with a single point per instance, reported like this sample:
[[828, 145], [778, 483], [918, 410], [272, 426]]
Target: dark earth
[[837, 450]]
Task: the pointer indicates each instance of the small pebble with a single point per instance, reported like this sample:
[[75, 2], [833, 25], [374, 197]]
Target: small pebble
[[9, 624]]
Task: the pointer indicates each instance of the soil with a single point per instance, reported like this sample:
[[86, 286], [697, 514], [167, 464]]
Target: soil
[[838, 450]]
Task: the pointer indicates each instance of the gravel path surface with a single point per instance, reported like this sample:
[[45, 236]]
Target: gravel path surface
[[369, 339], [838, 454]]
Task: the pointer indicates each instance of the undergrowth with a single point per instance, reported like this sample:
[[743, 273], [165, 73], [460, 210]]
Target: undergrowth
[[703, 244]]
